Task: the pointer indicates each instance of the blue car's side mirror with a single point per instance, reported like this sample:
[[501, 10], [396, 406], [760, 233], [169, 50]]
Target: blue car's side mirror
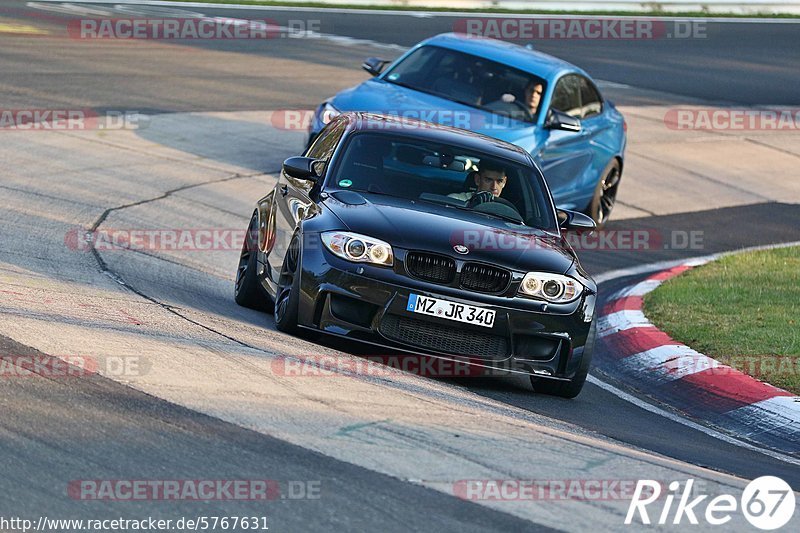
[[374, 65], [558, 120]]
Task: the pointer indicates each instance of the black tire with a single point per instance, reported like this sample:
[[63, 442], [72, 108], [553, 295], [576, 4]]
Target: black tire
[[287, 297], [605, 194], [248, 291], [572, 388]]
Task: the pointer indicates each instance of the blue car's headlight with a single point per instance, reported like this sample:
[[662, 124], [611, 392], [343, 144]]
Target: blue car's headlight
[[358, 248], [328, 113], [553, 288]]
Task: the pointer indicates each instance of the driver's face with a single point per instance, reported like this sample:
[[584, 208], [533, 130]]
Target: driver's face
[[534, 96], [490, 180]]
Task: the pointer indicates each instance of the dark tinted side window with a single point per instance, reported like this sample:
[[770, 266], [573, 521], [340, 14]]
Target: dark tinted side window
[[567, 96], [591, 102]]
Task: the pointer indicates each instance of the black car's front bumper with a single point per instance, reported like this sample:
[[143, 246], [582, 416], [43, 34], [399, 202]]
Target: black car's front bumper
[[369, 303]]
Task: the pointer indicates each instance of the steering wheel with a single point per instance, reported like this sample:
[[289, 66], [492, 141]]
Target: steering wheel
[[525, 109], [485, 197], [503, 201]]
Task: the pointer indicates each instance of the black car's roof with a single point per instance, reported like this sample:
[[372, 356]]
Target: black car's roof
[[375, 123]]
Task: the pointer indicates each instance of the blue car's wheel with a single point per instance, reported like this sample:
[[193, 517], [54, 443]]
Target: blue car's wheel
[[605, 194]]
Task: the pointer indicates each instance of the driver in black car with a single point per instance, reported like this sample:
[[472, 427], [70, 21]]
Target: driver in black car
[[489, 180]]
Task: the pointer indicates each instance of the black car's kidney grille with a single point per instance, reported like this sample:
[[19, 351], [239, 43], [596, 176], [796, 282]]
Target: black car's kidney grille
[[484, 278], [431, 267], [442, 338]]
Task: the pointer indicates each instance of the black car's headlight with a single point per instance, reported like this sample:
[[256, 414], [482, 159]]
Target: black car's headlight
[[553, 288], [328, 113], [358, 248]]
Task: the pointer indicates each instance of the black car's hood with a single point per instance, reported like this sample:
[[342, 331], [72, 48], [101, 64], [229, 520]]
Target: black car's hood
[[422, 225]]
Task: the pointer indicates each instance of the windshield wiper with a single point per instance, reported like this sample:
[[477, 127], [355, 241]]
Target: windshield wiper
[[517, 221], [407, 86], [441, 201]]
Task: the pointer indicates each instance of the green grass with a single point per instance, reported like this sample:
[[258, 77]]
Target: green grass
[[743, 310], [653, 13]]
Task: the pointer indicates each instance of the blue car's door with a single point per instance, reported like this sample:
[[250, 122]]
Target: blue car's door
[[566, 156], [598, 131]]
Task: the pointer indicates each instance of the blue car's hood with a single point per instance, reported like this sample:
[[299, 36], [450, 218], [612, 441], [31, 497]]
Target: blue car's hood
[[378, 96]]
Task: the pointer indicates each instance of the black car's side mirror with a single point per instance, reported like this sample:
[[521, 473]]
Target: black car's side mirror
[[558, 120], [575, 221], [374, 65], [303, 168]]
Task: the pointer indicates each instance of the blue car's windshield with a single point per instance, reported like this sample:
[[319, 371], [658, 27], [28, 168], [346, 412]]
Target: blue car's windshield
[[470, 80], [428, 171]]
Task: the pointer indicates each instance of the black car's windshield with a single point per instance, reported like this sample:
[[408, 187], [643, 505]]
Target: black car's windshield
[[452, 176], [470, 80]]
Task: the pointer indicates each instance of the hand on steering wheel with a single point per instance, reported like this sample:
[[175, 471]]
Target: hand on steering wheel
[[480, 197]]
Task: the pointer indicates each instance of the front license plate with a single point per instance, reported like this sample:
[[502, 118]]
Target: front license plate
[[450, 310]]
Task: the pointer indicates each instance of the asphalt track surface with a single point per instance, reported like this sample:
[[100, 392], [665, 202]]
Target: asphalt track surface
[[732, 63], [728, 63], [54, 430]]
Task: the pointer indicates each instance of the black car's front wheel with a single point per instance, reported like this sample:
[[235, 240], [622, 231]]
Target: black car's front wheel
[[573, 387], [605, 195], [288, 294], [247, 289]]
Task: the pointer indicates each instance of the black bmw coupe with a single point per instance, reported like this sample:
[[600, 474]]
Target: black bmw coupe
[[424, 239]]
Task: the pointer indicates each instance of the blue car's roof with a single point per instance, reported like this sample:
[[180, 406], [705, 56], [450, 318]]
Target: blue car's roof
[[543, 65]]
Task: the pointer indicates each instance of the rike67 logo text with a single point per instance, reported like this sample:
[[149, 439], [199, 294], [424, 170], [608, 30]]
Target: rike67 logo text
[[767, 503]]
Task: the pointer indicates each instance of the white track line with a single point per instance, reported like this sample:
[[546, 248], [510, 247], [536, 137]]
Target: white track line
[[688, 423]]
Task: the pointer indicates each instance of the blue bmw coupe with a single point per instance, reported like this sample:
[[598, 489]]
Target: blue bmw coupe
[[545, 105]]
